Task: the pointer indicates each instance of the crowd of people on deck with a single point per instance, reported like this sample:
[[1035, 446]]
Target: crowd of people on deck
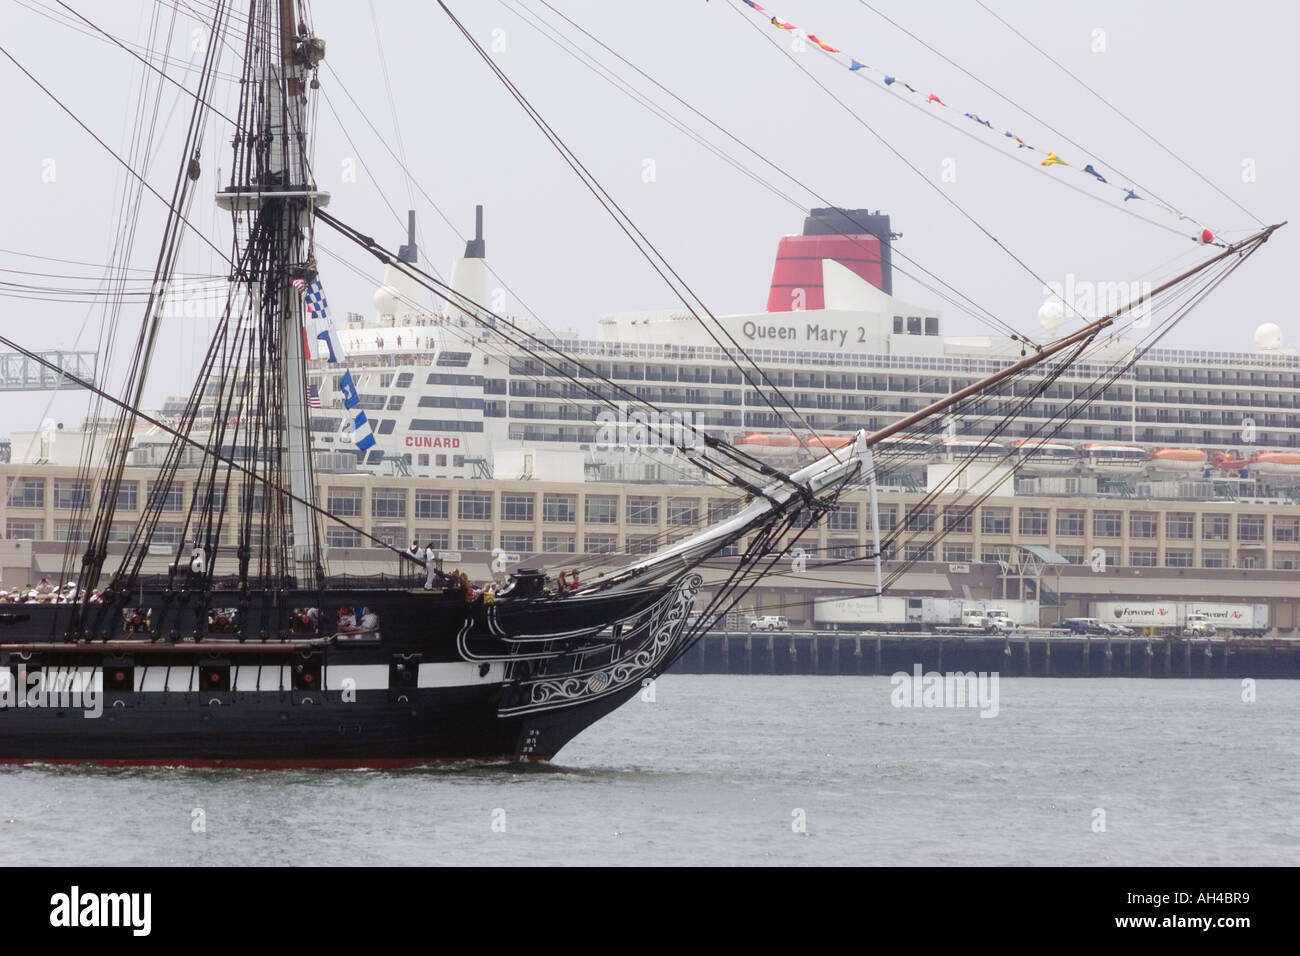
[[43, 592]]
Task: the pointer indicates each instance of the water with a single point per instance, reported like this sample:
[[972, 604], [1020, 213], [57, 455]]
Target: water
[[717, 769]]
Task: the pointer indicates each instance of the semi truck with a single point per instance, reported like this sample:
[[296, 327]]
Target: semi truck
[[902, 613], [1186, 618]]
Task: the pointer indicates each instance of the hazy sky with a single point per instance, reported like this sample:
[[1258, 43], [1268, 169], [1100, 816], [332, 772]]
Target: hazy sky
[[1215, 84]]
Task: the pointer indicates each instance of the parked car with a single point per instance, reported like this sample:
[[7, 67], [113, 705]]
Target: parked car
[[1119, 630], [768, 622], [1084, 625]]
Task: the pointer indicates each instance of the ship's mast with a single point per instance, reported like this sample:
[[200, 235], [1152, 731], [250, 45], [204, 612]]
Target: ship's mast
[[279, 188]]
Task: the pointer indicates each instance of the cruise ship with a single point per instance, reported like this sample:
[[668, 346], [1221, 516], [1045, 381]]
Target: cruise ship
[[1180, 481], [448, 401]]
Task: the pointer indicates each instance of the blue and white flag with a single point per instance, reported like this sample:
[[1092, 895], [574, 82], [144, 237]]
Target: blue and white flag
[[316, 305], [348, 389], [362, 435], [333, 344]]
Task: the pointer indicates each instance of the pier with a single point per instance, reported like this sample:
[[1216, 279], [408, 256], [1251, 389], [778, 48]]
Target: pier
[[1017, 655]]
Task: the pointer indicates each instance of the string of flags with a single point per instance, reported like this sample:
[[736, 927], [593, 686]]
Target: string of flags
[[321, 340], [1203, 235]]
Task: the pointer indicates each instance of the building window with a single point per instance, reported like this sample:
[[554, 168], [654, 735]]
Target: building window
[[559, 543], [342, 538], [844, 517], [1033, 522], [121, 531], [992, 554], [602, 509], [1178, 559], [1142, 557], [1073, 555], [432, 504], [392, 535], [1286, 529], [1107, 524], [921, 519], [599, 543], [559, 508], [441, 539], [1214, 558], [1143, 524], [473, 541], [516, 541], [888, 517], [1180, 525], [722, 508], [22, 528], [1250, 528], [517, 508], [842, 550], [1214, 528], [26, 493], [960, 553], [344, 502], [684, 511], [1248, 560], [995, 520], [71, 494], [958, 520], [919, 552], [1069, 524], [388, 503], [1286, 560], [166, 533], [127, 493], [640, 544], [474, 506], [641, 510], [165, 497]]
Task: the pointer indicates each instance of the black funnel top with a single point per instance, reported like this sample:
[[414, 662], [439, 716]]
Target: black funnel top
[[476, 248], [834, 221], [409, 252]]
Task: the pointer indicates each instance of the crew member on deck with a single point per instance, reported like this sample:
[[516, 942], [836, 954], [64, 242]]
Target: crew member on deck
[[430, 566]]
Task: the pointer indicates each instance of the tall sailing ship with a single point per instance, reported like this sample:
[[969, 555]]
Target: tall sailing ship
[[247, 652]]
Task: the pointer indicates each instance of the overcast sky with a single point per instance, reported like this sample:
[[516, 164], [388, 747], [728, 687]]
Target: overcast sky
[[1214, 84]]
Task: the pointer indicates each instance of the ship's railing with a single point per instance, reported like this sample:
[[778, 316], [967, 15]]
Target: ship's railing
[[947, 363]]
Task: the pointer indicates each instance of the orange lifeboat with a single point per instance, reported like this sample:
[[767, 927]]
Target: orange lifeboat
[[965, 446], [1229, 461], [1045, 456], [1178, 460], [764, 445], [1276, 462], [901, 444], [1114, 457]]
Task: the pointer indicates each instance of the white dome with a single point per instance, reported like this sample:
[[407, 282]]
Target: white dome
[[1051, 314], [387, 300], [1269, 336]]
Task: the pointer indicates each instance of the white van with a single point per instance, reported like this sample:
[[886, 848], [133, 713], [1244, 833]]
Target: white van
[[769, 622]]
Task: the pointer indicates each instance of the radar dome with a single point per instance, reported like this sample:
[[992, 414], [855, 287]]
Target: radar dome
[[1269, 336], [1051, 314], [387, 300]]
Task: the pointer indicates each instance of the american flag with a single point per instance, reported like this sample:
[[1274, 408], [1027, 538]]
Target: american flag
[[313, 396]]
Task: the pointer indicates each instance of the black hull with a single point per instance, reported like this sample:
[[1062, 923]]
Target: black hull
[[444, 680]]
